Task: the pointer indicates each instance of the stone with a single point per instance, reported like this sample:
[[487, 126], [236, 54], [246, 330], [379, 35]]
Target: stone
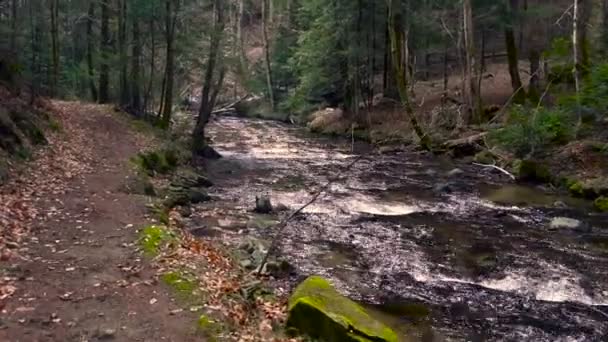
[[317, 309], [263, 205], [209, 152], [455, 173], [484, 157], [106, 334], [531, 171], [565, 223], [601, 204], [443, 188]]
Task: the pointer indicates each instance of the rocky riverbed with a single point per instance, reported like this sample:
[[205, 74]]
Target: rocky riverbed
[[456, 251]]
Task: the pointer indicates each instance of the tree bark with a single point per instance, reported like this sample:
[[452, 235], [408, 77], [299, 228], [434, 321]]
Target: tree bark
[[122, 50], [90, 65], [54, 7], [471, 91], [136, 69], [170, 22], [199, 143], [267, 60], [104, 68], [397, 39], [14, 32], [512, 55]]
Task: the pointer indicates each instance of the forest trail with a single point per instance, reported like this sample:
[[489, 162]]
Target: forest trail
[[77, 275]]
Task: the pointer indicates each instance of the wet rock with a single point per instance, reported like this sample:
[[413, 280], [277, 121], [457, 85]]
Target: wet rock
[[560, 204], [184, 197], [443, 188], [190, 179], [209, 152], [564, 223], [106, 334], [455, 173], [601, 204], [484, 157], [263, 204], [590, 189], [531, 171], [316, 309]]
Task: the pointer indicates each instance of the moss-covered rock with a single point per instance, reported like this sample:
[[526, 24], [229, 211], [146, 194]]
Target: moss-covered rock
[[590, 189], [602, 204], [531, 171], [319, 311], [484, 157]]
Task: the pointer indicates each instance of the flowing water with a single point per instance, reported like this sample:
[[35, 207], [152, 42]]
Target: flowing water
[[457, 255]]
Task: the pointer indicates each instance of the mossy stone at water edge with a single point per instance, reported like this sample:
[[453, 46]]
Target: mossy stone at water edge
[[319, 311], [602, 204], [531, 171]]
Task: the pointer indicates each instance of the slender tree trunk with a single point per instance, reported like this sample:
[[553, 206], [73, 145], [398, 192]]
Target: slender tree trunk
[[14, 5], [576, 54], [534, 87], [267, 60], [54, 46], [90, 65], [471, 90], [512, 56], [199, 143], [149, 94], [170, 22], [398, 39], [104, 68], [136, 69], [122, 51], [239, 39]]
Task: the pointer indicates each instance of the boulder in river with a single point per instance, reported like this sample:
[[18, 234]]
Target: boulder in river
[[263, 205], [565, 223], [319, 311], [531, 171], [601, 204]]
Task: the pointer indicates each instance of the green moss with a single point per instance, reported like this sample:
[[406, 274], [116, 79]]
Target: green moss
[[208, 328], [531, 171], [153, 239], [485, 157], [161, 161], [601, 204], [318, 310], [181, 282]]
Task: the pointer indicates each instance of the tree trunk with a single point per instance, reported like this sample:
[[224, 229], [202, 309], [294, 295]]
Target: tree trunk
[[122, 50], [267, 60], [136, 69], [397, 39], [576, 54], [512, 56], [14, 27], [54, 46], [170, 22], [149, 94], [90, 66], [534, 87], [104, 68], [199, 143], [471, 90]]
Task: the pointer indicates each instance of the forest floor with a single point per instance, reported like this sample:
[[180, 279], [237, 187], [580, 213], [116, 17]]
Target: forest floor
[[70, 270]]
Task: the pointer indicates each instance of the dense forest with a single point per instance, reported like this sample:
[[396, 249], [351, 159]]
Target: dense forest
[[509, 93]]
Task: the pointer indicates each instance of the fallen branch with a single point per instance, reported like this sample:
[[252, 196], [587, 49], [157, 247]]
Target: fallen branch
[[497, 168], [230, 105], [281, 226]]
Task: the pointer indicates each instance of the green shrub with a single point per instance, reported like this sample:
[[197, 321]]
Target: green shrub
[[528, 131]]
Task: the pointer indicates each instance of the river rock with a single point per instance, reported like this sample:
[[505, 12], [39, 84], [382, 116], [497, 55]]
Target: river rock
[[316, 309], [531, 171], [601, 204], [455, 173], [565, 223], [263, 205]]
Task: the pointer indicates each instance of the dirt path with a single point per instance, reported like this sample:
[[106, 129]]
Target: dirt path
[[78, 276]]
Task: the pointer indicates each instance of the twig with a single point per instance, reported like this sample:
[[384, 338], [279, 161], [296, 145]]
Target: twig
[[497, 168], [281, 226]]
